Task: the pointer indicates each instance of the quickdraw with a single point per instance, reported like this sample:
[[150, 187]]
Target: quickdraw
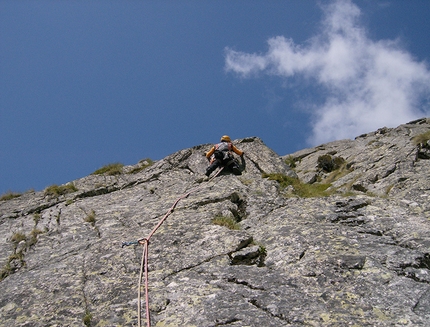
[[129, 243]]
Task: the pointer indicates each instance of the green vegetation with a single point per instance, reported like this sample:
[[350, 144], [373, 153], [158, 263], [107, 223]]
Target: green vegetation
[[291, 161], [91, 217], [13, 263], [342, 170], [110, 169], [36, 218], [263, 254], [328, 163], [228, 222], [421, 138], [32, 240], [18, 237], [56, 191], [5, 271], [16, 259], [262, 250], [9, 196], [144, 163], [300, 189], [87, 318]]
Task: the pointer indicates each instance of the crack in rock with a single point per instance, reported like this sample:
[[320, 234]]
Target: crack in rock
[[244, 283], [269, 311]]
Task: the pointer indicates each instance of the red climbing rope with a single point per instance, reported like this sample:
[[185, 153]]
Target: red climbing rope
[[144, 265], [144, 262]]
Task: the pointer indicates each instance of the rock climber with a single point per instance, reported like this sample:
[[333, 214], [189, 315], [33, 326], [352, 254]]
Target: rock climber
[[221, 154]]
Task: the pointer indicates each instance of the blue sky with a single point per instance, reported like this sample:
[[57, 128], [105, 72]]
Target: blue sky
[[88, 83]]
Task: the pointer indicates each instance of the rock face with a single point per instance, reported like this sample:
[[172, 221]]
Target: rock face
[[245, 250]]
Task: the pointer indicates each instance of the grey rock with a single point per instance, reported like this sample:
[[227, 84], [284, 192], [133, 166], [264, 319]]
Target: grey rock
[[359, 256]]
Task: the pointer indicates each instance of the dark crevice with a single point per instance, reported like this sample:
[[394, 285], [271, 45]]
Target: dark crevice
[[240, 246], [248, 259], [346, 212], [375, 232], [209, 201], [424, 261], [252, 258], [189, 169], [113, 187], [414, 276], [302, 255], [256, 165], [248, 140], [10, 217], [239, 214], [42, 207], [193, 266], [244, 283], [390, 171], [351, 205], [227, 322], [422, 151], [255, 303], [96, 192], [243, 244], [179, 158], [422, 305], [418, 121], [58, 217], [418, 270], [254, 255], [140, 181]]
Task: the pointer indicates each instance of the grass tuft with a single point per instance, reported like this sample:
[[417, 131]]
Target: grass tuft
[[87, 318], [91, 217], [18, 237], [291, 161], [9, 196], [33, 237], [228, 222], [421, 138], [328, 163], [144, 163], [56, 191], [300, 189], [110, 169], [5, 271]]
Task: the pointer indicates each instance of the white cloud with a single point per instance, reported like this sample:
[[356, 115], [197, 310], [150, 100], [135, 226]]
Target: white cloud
[[368, 84]]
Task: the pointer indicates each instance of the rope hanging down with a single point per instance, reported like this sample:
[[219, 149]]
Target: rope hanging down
[[144, 262]]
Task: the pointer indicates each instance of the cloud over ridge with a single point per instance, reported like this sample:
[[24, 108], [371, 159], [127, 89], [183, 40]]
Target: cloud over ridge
[[366, 83]]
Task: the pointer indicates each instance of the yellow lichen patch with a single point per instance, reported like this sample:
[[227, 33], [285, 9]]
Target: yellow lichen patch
[[358, 312], [403, 321], [103, 323], [381, 315], [9, 307], [130, 316], [325, 317]]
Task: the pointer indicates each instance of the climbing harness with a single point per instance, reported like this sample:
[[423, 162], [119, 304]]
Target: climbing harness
[[144, 262]]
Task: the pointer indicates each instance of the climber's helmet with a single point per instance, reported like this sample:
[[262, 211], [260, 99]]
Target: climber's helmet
[[225, 138]]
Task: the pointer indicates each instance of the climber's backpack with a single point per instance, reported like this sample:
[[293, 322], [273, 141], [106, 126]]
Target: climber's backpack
[[222, 151]]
